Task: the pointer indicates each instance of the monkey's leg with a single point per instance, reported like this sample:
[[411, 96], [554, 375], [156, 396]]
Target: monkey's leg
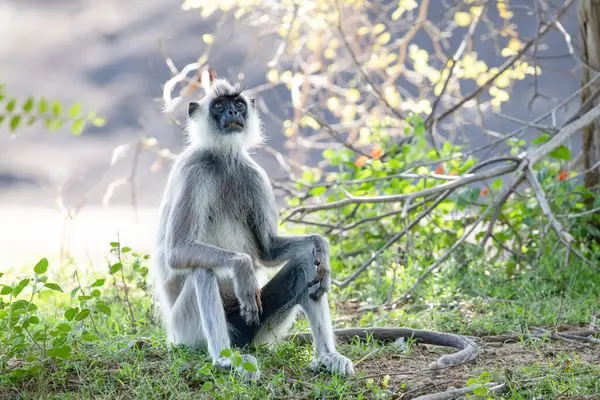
[[280, 299], [214, 323]]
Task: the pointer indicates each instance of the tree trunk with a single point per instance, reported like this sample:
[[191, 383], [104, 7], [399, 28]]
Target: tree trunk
[[589, 19]]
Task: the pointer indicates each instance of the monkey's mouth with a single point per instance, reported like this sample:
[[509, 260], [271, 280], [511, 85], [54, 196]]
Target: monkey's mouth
[[234, 124]]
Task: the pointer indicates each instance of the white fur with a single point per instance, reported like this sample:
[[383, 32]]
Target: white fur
[[200, 135]]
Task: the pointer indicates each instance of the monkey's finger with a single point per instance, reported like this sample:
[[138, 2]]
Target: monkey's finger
[[316, 295]]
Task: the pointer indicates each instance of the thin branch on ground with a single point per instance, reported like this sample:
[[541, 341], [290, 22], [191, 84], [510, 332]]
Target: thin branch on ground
[[492, 387]]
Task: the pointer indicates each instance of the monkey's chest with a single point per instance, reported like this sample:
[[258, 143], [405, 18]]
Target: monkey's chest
[[228, 222]]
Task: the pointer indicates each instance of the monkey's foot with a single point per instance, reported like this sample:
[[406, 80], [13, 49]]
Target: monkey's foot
[[246, 374], [334, 363]]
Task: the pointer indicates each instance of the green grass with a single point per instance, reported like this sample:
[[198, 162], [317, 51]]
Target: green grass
[[101, 364]]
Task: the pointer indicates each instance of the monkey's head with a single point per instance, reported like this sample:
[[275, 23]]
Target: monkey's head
[[225, 118]]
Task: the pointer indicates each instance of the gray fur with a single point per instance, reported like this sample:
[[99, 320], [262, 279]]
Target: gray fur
[[218, 230]]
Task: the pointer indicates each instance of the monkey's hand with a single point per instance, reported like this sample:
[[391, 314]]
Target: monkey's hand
[[323, 278], [247, 290]]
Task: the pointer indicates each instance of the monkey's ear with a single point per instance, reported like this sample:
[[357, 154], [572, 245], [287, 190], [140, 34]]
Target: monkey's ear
[[192, 108], [252, 102]]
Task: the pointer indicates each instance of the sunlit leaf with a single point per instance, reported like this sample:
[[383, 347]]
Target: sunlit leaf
[[41, 267], [462, 18]]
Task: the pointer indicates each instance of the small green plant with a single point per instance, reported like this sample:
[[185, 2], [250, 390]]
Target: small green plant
[[15, 114]]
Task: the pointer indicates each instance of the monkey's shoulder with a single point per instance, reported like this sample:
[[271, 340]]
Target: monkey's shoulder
[[231, 178]]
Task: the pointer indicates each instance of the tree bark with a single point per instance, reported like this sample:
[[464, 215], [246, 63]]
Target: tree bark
[[589, 19]]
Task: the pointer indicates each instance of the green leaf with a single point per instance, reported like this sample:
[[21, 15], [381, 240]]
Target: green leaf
[[41, 267], [248, 366], [480, 391], [43, 106], [542, 139], [56, 108], [103, 308], [74, 292], [34, 319], [11, 105], [114, 244], [328, 153], [125, 249], [83, 314], [317, 191], [99, 282], [64, 327], [63, 352], [70, 314], [1, 119], [53, 124], [497, 184], [395, 164], [20, 286], [28, 106], [236, 360], [88, 337], [225, 353], [95, 293], [14, 123], [75, 110], [31, 121], [53, 286], [561, 153], [115, 268], [98, 121], [207, 387], [84, 298], [6, 290], [78, 126]]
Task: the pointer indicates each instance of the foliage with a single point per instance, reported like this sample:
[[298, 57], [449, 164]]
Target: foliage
[[358, 230], [63, 335], [15, 114]]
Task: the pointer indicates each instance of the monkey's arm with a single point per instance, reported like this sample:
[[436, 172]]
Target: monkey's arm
[[184, 220]]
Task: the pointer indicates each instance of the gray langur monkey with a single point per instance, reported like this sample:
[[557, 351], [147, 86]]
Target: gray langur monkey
[[217, 235]]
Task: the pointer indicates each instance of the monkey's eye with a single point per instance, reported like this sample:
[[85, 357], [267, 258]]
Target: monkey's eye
[[218, 105], [240, 105]]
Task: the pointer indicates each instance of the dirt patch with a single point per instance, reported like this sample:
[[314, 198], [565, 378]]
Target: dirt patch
[[410, 375]]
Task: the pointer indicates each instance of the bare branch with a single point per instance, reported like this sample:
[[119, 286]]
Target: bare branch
[[541, 33], [541, 196]]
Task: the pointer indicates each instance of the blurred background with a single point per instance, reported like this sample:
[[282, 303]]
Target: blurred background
[[112, 57]]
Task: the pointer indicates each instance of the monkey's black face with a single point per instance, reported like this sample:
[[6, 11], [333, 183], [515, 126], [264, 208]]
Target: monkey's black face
[[229, 113]]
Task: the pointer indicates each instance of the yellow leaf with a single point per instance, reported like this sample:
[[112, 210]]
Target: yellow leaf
[[462, 18], [407, 4], [502, 95], [363, 30], [502, 81], [333, 103], [377, 29], [348, 113], [507, 52], [286, 77], [273, 75], [329, 53], [384, 38], [352, 95], [208, 39], [514, 44], [476, 10]]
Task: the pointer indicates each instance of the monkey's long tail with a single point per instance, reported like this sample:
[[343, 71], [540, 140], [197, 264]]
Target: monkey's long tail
[[467, 348]]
